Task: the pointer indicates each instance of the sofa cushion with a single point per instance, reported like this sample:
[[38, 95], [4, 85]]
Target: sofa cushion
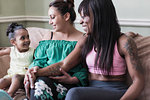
[[143, 46], [36, 34], [4, 65]]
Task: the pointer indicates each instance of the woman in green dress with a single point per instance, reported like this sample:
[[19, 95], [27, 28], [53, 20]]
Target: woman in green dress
[[50, 54]]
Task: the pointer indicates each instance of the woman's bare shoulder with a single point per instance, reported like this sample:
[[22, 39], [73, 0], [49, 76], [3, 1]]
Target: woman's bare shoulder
[[82, 40], [125, 43], [125, 39]]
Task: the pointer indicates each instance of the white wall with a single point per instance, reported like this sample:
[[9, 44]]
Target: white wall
[[133, 15], [133, 9]]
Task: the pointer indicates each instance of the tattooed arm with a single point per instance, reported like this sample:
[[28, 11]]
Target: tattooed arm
[[127, 47], [51, 70], [69, 62]]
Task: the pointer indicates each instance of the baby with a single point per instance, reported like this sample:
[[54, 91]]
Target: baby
[[21, 56]]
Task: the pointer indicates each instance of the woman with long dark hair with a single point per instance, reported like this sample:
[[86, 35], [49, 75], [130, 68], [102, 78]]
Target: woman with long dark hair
[[109, 55]]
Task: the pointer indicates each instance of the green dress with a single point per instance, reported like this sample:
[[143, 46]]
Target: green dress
[[49, 52]]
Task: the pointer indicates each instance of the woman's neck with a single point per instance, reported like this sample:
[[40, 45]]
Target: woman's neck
[[67, 32]]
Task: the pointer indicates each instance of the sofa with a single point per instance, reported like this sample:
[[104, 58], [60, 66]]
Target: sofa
[[142, 42]]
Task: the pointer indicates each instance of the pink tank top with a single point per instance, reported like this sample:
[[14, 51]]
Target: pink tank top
[[119, 64]]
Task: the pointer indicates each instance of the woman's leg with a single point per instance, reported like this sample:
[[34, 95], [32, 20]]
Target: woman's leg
[[49, 89], [97, 91], [93, 93]]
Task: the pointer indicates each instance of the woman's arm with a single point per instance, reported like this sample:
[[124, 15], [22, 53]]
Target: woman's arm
[[69, 62], [79, 78], [128, 48], [4, 51]]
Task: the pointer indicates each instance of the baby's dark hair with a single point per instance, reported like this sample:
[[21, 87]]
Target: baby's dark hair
[[12, 28]]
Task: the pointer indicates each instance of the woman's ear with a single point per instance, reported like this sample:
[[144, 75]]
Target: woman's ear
[[12, 41], [67, 16]]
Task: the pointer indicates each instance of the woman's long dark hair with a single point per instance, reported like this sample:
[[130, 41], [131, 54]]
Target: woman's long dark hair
[[105, 31]]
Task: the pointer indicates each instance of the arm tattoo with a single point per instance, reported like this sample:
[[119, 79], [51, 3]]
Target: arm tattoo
[[53, 71], [130, 47]]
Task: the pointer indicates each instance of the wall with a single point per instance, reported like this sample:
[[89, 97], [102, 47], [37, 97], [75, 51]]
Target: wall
[[36, 7], [9, 8], [12, 7], [133, 15], [30, 13], [38, 13]]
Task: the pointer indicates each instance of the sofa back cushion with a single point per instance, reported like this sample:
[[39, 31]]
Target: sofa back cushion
[[4, 65], [36, 34]]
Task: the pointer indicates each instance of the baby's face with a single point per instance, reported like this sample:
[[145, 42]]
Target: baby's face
[[22, 40]]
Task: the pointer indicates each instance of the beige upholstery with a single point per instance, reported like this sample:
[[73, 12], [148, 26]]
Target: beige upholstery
[[36, 35], [4, 65]]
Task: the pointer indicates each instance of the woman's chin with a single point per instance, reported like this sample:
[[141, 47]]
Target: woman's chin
[[85, 30], [55, 30]]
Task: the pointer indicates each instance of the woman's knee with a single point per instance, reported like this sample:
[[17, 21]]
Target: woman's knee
[[74, 94], [74, 90]]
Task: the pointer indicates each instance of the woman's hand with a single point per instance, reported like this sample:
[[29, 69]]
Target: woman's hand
[[66, 78], [29, 79], [30, 74], [27, 87]]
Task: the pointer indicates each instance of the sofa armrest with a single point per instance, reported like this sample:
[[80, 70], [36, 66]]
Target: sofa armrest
[[4, 65]]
